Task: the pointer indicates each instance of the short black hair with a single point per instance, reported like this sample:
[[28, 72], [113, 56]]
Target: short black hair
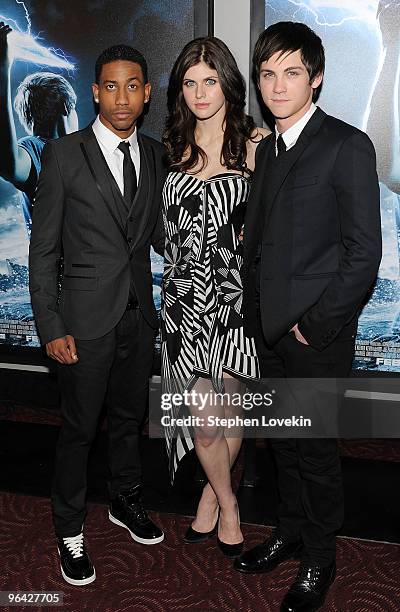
[[120, 52], [41, 99], [289, 36]]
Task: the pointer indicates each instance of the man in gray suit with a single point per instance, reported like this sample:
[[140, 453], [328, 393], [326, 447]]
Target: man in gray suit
[[98, 207]]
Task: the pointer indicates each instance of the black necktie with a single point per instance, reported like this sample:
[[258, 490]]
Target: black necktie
[[130, 181], [280, 143]]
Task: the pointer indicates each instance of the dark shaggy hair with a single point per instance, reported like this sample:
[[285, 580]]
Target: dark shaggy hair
[[181, 122], [120, 52], [41, 99], [287, 37]]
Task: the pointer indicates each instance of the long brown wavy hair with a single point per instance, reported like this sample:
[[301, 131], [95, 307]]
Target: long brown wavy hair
[[238, 127]]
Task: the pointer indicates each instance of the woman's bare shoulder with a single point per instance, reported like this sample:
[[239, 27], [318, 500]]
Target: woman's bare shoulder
[[257, 136], [259, 133]]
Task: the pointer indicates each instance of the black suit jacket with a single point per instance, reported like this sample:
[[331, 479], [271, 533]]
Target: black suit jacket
[[313, 217], [77, 215]]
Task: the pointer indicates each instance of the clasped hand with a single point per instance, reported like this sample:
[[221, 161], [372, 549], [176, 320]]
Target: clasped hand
[[62, 350]]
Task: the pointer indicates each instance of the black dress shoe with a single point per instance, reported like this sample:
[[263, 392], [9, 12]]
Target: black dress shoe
[[308, 592], [265, 557], [76, 566], [126, 510], [232, 551], [196, 537]]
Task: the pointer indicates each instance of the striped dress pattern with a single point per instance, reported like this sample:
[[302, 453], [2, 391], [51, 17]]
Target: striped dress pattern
[[202, 331]]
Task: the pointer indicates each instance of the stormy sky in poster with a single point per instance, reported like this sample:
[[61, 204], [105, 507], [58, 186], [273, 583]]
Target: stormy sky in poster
[[361, 87], [66, 38]]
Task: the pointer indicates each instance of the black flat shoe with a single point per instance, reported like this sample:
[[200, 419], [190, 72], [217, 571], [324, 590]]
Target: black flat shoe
[[196, 537], [230, 550]]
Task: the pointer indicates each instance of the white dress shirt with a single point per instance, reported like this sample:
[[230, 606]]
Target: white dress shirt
[[292, 134], [108, 142]]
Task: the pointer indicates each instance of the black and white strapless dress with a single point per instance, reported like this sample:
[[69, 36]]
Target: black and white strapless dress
[[201, 318]]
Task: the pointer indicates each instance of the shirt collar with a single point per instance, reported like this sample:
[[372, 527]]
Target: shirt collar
[[291, 135], [109, 140]]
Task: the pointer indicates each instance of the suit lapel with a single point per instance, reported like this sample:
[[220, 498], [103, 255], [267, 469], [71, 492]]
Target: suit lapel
[[256, 202], [95, 162], [269, 177], [141, 205], [109, 190], [285, 162]]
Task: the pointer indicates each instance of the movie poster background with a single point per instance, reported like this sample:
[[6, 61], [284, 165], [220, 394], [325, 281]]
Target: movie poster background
[[361, 86], [79, 32]]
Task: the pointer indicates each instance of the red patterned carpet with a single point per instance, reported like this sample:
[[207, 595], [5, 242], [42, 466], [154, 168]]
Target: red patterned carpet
[[172, 576]]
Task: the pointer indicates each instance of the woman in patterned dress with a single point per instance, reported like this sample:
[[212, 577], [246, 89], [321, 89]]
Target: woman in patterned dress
[[211, 147]]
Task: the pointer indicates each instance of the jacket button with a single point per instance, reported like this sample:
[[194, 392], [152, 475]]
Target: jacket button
[[129, 239]]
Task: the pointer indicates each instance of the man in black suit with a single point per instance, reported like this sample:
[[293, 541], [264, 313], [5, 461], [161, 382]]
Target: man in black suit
[[312, 247], [98, 207]]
